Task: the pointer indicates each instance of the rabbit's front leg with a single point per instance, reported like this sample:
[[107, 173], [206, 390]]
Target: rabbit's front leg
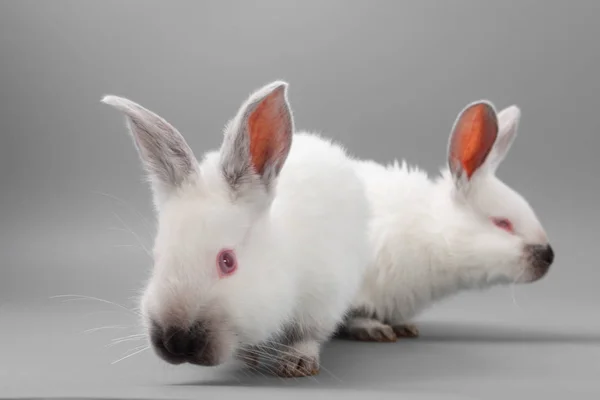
[[291, 360], [299, 360]]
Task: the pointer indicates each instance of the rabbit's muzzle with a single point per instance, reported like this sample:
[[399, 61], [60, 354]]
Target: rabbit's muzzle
[[540, 259], [196, 344]]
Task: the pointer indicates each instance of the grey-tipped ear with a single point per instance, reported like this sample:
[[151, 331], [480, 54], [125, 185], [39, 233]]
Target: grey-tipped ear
[[167, 158], [258, 141], [508, 125]]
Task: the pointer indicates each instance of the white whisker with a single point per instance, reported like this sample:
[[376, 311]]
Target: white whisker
[[123, 202], [513, 289], [513, 295], [136, 350], [73, 297], [139, 240], [105, 327], [130, 338]]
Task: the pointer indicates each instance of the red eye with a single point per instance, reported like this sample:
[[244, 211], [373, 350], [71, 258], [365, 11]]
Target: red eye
[[226, 263], [503, 223]]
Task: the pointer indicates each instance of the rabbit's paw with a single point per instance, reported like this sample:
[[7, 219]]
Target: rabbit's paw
[[369, 330], [406, 331], [299, 360]]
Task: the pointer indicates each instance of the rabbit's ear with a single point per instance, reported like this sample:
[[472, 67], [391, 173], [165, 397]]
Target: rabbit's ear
[[166, 156], [508, 123], [258, 140], [471, 140]]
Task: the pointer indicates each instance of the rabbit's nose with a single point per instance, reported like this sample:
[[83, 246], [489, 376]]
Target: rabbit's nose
[[547, 255], [181, 342], [542, 256], [177, 344]]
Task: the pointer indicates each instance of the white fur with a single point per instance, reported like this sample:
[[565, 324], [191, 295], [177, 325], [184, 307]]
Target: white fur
[[301, 261], [433, 238], [301, 249]]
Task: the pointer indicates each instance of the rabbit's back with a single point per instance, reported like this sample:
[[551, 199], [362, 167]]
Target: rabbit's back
[[320, 190], [401, 234], [322, 207]]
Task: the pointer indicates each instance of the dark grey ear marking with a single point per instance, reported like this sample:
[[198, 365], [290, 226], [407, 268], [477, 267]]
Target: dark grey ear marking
[[165, 155], [235, 157]]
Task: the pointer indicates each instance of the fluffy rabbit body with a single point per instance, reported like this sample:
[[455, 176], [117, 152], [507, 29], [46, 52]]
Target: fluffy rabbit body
[[433, 238], [260, 246]]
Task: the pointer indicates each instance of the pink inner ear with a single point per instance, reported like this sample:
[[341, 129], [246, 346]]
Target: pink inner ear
[[473, 137], [269, 127]]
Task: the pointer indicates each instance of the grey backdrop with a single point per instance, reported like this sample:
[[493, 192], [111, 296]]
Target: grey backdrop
[[386, 78]]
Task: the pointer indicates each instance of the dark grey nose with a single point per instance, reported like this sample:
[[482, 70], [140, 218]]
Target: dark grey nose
[[542, 255], [183, 342], [547, 255], [178, 345]]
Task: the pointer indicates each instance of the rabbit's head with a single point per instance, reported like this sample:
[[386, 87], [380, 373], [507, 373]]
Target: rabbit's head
[[497, 224], [212, 288]]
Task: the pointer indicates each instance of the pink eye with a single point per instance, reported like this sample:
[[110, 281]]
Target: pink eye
[[503, 223], [226, 263]]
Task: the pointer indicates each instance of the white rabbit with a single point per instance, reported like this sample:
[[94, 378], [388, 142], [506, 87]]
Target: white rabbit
[[434, 238], [261, 245]]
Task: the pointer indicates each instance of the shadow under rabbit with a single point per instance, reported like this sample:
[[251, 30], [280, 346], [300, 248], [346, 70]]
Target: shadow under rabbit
[[480, 333], [445, 351]]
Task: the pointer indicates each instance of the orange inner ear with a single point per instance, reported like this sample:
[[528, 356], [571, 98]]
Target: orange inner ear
[[473, 138], [264, 127]]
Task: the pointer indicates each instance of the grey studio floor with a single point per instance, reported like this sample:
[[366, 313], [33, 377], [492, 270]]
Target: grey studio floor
[[492, 349], [384, 77]]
